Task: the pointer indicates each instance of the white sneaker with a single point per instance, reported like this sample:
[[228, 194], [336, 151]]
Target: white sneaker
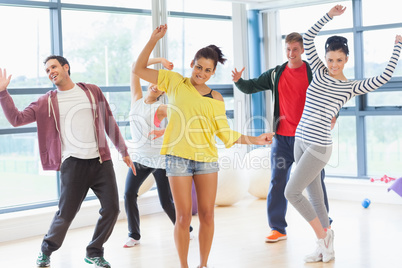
[[327, 246], [316, 256], [131, 242]]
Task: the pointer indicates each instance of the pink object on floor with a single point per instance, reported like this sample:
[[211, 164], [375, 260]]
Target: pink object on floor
[[384, 178]]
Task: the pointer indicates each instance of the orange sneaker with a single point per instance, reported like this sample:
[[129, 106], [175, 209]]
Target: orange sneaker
[[275, 236]]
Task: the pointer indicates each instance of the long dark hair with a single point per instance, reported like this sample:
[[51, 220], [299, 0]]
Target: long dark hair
[[211, 52], [335, 43]]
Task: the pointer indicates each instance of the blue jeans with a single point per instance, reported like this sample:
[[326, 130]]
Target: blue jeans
[[282, 159], [177, 166]]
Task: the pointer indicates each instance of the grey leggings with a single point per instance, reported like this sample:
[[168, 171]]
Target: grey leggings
[[310, 160]]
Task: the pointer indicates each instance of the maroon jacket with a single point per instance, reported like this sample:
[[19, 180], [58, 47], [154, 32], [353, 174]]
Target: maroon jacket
[[45, 111]]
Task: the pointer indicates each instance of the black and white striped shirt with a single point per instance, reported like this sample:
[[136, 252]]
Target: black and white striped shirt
[[326, 95]]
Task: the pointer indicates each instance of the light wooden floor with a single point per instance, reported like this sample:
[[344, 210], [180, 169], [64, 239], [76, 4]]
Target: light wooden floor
[[363, 238]]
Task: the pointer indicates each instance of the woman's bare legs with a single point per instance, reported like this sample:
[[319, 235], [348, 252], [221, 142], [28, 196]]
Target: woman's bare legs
[[206, 186], [181, 191]]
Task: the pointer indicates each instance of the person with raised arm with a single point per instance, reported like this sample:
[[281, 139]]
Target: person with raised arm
[[326, 94], [72, 121], [196, 114], [146, 114], [288, 83]]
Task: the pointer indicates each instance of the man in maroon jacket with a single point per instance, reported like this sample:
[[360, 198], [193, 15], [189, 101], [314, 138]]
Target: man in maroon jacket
[[72, 121]]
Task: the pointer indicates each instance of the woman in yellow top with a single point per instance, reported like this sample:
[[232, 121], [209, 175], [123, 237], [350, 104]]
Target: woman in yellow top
[[195, 114]]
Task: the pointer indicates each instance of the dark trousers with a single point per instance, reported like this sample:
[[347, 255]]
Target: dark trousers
[[77, 176], [133, 184], [282, 158]]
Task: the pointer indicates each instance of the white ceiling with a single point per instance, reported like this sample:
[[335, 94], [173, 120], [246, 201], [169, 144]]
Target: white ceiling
[[278, 4]]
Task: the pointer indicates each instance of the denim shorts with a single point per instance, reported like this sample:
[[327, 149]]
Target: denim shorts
[[177, 166]]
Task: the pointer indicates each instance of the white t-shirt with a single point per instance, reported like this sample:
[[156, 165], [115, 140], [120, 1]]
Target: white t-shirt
[[142, 148], [77, 129]]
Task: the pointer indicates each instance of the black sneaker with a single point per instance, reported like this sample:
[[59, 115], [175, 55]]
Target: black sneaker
[[99, 262], [43, 260]]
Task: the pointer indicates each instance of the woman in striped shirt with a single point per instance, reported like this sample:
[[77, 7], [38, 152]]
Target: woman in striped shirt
[[328, 92]]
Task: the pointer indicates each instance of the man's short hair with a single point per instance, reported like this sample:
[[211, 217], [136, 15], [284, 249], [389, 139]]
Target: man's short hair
[[63, 61], [294, 37]]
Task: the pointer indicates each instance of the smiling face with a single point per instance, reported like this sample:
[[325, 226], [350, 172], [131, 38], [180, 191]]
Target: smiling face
[[203, 69], [294, 51], [57, 74], [154, 91], [336, 61]]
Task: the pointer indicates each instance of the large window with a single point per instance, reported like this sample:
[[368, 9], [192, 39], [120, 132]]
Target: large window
[[381, 112], [191, 28], [384, 145], [371, 10], [101, 55], [22, 180], [189, 32], [22, 54], [101, 39], [302, 18], [184, 42], [208, 7], [113, 3], [343, 159], [378, 49]]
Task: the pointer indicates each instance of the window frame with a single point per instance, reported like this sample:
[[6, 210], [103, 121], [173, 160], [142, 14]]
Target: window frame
[[55, 8]]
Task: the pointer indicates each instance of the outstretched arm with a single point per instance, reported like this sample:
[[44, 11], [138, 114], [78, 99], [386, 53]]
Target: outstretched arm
[[263, 139], [264, 82], [141, 68], [371, 84], [135, 85], [13, 115], [236, 75]]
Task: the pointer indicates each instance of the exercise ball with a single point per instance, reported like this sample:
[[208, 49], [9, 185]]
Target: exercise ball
[[258, 170], [146, 185], [232, 185]]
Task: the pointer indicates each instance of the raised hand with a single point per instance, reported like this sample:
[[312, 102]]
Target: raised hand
[[398, 38], [236, 75], [4, 80], [336, 11], [167, 64], [159, 32]]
